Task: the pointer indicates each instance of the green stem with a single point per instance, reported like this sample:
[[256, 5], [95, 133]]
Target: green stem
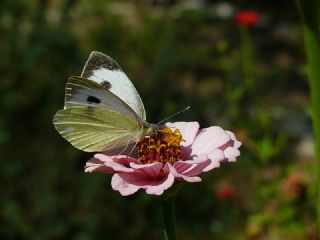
[[310, 14], [168, 216], [247, 57]]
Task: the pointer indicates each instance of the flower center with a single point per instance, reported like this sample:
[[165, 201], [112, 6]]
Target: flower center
[[164, 146]]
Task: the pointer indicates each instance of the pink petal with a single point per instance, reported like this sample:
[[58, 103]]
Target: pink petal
[[188, 131], [144, 174], [231, 154], [237, 143], [230, 148], [158, 187], [120, 159], [208, 140], [179, 176], [188, 167], [147, 165], [154, 178], [96, 165], [198, 168], [122, 186], [218, 144], [109, 164], [216, 156], [188, 170]]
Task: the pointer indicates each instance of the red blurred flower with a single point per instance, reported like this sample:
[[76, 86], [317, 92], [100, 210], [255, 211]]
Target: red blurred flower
[[226, 192], [247, 18]]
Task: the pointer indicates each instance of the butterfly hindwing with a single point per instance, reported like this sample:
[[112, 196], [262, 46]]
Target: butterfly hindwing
[[106, 72], [94, 129]]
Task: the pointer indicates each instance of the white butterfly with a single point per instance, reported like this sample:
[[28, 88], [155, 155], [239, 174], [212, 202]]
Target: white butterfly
[[102, 108]]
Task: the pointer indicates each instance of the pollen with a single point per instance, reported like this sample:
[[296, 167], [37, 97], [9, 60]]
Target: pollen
[[164, 146]]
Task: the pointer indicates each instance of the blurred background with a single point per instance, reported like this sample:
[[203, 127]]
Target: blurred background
[[238, 64]]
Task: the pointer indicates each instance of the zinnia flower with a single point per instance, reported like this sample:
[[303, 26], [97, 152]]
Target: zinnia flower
[[247, 18], [177, 153]]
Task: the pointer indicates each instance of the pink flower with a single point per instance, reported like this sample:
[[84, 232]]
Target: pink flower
[[178, 153]]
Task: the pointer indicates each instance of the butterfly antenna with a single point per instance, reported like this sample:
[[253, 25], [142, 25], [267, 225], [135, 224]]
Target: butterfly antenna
[[183, 110]]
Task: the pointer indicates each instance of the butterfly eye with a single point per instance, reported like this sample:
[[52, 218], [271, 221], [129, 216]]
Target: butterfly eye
[[92, 99]]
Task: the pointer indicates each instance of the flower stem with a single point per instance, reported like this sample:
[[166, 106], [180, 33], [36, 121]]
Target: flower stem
[[168, 216], [247, 57], [310, 15]]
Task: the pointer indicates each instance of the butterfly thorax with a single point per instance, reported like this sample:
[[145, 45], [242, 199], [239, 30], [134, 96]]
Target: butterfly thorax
[[150, 128]]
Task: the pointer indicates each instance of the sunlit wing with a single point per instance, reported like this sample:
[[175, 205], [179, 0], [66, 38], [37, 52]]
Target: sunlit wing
[[106, 72], [85, 92], [95, 130]]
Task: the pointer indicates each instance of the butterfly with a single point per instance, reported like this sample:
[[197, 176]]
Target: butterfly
[[102, 108]]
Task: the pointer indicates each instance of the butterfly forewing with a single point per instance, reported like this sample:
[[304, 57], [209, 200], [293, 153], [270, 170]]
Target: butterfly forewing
[[94, 129], [84, 92], [106, 72]]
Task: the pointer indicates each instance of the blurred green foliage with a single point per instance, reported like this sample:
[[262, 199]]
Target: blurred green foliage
[[177, 55]]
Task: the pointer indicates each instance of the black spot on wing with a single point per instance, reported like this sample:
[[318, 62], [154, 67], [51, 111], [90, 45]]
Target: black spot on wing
[[106, 85], [97, 61], [92, 99]]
